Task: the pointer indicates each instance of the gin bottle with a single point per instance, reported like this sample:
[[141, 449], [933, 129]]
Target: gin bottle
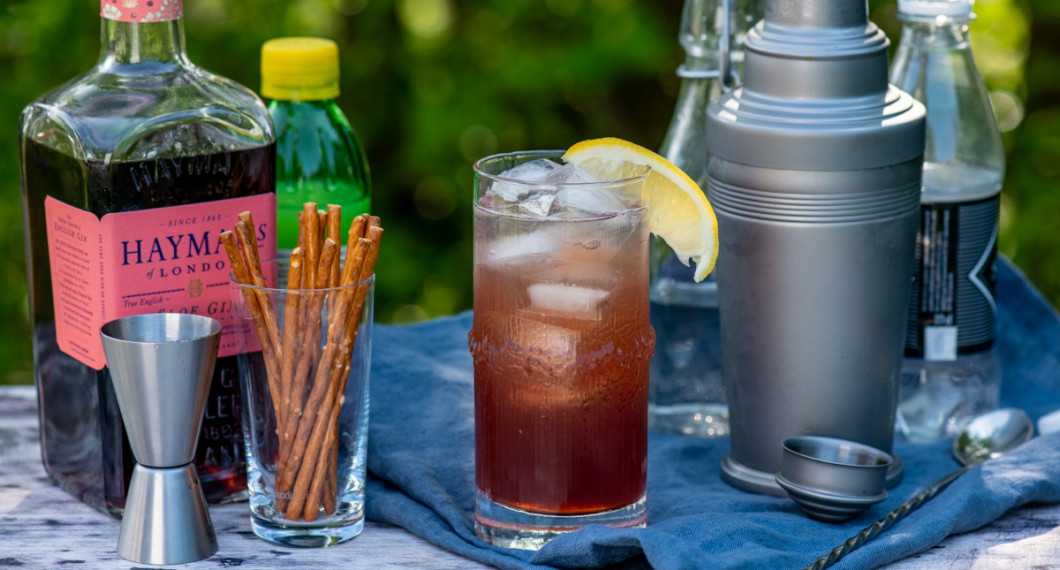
[[686, 391], [129, 172], [950, 372]]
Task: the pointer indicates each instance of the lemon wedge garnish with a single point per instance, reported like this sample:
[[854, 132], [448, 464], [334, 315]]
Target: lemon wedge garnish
[[678, 211]]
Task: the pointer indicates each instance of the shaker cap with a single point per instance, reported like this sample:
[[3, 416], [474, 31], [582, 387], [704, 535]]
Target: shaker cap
[[816, 94], [956, 8], [303, 69]]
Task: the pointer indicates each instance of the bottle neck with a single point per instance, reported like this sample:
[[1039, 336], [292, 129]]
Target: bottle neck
[[126, 43], [698, 63], [316, 103], [939, 32]]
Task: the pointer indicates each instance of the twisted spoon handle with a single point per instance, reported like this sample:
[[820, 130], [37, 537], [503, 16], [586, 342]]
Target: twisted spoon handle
[[875, 529]]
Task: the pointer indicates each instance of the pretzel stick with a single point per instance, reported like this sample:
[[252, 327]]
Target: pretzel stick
[[340, 374], [294, 385], [239, 269], [301, 231], [349, 270], [245, 235], [291, 335], [329, 490], [313, 428], [253, 306], [356, 232], [334, 223], [312, 246], [327, 258], [308, 333], [297, 413], [322, 228], [353, 275], [250, 251]]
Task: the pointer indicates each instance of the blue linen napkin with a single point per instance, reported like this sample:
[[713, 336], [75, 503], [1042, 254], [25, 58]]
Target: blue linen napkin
[[421, 463]]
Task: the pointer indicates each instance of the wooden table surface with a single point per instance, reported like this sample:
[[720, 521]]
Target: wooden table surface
[[43, 527]]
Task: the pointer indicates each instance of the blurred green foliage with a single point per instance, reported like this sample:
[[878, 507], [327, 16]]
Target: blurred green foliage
[[432, 85]]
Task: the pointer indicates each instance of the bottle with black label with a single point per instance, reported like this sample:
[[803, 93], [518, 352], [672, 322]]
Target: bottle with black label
[[950, 371]]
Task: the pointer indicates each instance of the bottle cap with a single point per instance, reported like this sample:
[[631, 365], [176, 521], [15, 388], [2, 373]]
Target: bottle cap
[[302, 69], [135, 13], [956, 8]]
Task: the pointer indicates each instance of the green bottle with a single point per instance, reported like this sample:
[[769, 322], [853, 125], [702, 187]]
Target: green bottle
[[318, 156]]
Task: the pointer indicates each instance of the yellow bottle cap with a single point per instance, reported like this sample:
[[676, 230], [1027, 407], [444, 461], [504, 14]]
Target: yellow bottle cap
[[300, 69]]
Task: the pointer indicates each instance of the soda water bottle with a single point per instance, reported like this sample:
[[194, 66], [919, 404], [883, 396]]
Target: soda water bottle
[[686, 390], [950, 371], [319, 158], [129, 173]]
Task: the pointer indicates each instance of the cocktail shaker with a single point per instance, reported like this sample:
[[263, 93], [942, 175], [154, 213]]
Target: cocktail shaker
[[814, 174]]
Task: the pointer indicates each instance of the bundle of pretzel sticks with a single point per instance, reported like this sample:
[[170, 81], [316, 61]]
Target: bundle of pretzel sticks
[[307, 373]]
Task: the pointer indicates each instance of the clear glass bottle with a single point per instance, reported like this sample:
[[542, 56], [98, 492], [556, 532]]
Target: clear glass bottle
[[950, 372], [319, 158], [129, 172], [687, 394]]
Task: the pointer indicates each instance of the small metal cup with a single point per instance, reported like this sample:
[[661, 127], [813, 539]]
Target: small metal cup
[[161, 365], [833, 479]]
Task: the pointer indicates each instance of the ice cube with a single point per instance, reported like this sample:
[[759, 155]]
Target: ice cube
[[496, 203], [533, 171], [538, 204], [558, 342], [589, 269], [513, 247], [548, 352], [567, 174], [591, 200], [569, 301], [528, 174]]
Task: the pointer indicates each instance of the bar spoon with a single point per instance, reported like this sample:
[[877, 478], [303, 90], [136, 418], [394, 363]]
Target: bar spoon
[[986, 436]]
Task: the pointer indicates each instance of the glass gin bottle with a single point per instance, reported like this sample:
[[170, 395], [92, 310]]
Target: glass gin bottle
[[950, 372], [686, 391], [129, 173]]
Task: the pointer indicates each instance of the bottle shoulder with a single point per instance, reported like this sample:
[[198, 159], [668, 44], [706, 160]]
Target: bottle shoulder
[[961, 128], [294, 117], [685, 142], [960, 182], [150, 110], [314, 141]]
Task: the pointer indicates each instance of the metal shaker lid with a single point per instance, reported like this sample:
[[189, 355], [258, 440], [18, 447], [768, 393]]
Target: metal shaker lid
[[815, 95]]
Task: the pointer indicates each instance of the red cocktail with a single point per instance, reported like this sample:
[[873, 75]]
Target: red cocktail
[[561, 342]]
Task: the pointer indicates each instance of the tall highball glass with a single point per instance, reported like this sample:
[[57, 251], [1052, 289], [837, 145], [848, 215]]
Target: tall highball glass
[[561, 342]]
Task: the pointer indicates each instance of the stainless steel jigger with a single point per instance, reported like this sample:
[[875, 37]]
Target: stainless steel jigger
[[161, 365]]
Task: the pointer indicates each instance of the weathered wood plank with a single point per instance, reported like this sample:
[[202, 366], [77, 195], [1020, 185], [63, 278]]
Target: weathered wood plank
[[1028, 537], [43, 527]]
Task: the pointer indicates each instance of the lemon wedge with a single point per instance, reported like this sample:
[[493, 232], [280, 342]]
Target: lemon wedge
[[678, 211]]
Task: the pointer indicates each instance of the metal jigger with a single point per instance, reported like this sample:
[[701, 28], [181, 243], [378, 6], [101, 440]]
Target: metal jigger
[[161, 365]]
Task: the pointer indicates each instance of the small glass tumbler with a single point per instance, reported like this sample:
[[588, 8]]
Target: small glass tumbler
[[305, 407]]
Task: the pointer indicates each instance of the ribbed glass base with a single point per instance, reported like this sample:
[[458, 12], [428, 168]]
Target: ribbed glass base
[[514, 528]]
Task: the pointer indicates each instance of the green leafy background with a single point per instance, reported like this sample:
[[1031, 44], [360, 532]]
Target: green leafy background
[[432, 85]]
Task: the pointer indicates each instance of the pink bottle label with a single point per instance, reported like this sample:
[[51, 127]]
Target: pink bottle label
[[146, 261], [141, 11]]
